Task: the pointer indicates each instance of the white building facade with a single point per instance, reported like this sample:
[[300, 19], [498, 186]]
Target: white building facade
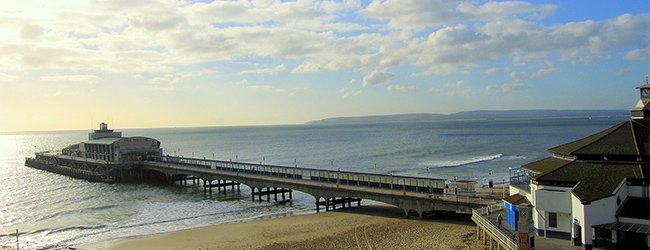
[[595, 191], [109, 146]]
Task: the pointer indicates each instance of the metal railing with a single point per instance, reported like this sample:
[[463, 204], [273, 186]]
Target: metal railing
[[490, 226], [318, 177], [396, 182]]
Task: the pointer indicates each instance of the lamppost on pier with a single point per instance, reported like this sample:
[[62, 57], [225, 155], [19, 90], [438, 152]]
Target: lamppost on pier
[[329, 172], [427, 172], [338, 178], [391, 180]]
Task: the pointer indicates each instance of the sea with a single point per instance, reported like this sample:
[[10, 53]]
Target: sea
[[43, 210]]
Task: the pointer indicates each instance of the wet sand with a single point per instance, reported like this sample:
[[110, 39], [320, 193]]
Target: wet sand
[[367, 227]]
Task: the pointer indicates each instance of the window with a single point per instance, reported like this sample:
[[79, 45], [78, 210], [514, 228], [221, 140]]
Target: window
[[552, 220]]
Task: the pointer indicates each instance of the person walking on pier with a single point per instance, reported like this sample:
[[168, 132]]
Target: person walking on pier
[[499, 221]]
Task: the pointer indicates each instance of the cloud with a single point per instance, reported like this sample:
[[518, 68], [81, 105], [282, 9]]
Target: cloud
[[441, 69], [242, 82], [166, 79], [377, 78], [492, 70], [438, 37], [638, 54], [267, 70], [458, 84], [179, 77], [163, 89], [90, 79], [31, 32], [262, 87], [401, 88], [526, 40], [521, 75], [623, 71], [7, 78], [467, 92], [417, 15], [508, 87], [347, 93]]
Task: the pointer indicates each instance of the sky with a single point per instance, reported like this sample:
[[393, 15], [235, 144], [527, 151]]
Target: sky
[[68, 65]]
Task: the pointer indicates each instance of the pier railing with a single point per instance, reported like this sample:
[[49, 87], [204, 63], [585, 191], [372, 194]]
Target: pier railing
[[442, 189]]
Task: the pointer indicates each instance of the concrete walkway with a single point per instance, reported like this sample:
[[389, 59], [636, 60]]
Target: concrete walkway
[[542, 243]]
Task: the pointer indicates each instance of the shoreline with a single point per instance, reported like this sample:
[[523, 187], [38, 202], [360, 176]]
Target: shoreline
[[365, 227]]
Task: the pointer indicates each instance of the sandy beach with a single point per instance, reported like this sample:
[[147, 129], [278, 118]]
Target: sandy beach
[[367, 227]]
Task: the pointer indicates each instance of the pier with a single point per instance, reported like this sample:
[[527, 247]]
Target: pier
[[415, 195]]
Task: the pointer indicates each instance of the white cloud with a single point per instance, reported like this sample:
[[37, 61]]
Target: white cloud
[[166, 79], [347, 93], [440, 37], [508, 87], [163, 89], [179, 77], [266, 70], [623, 71], [440, 69], [526, 40], [31, 32], [467, 92], [7, 78], [242, 82], [492, 70], [90, 79], [401, 88], [458, 84], [417, 15], [270, 88], [377, 78], [521, 75], [638, 54]]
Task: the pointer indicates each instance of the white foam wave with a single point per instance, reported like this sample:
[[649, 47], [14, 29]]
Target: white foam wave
[[458, 163]]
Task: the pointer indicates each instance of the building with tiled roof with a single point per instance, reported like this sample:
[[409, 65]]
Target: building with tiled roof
[[594, 191]]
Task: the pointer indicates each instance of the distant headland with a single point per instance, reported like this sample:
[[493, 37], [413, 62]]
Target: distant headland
[[475, 115]]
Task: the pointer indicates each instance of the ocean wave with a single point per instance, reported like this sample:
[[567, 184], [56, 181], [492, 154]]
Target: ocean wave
[[458, 163]]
